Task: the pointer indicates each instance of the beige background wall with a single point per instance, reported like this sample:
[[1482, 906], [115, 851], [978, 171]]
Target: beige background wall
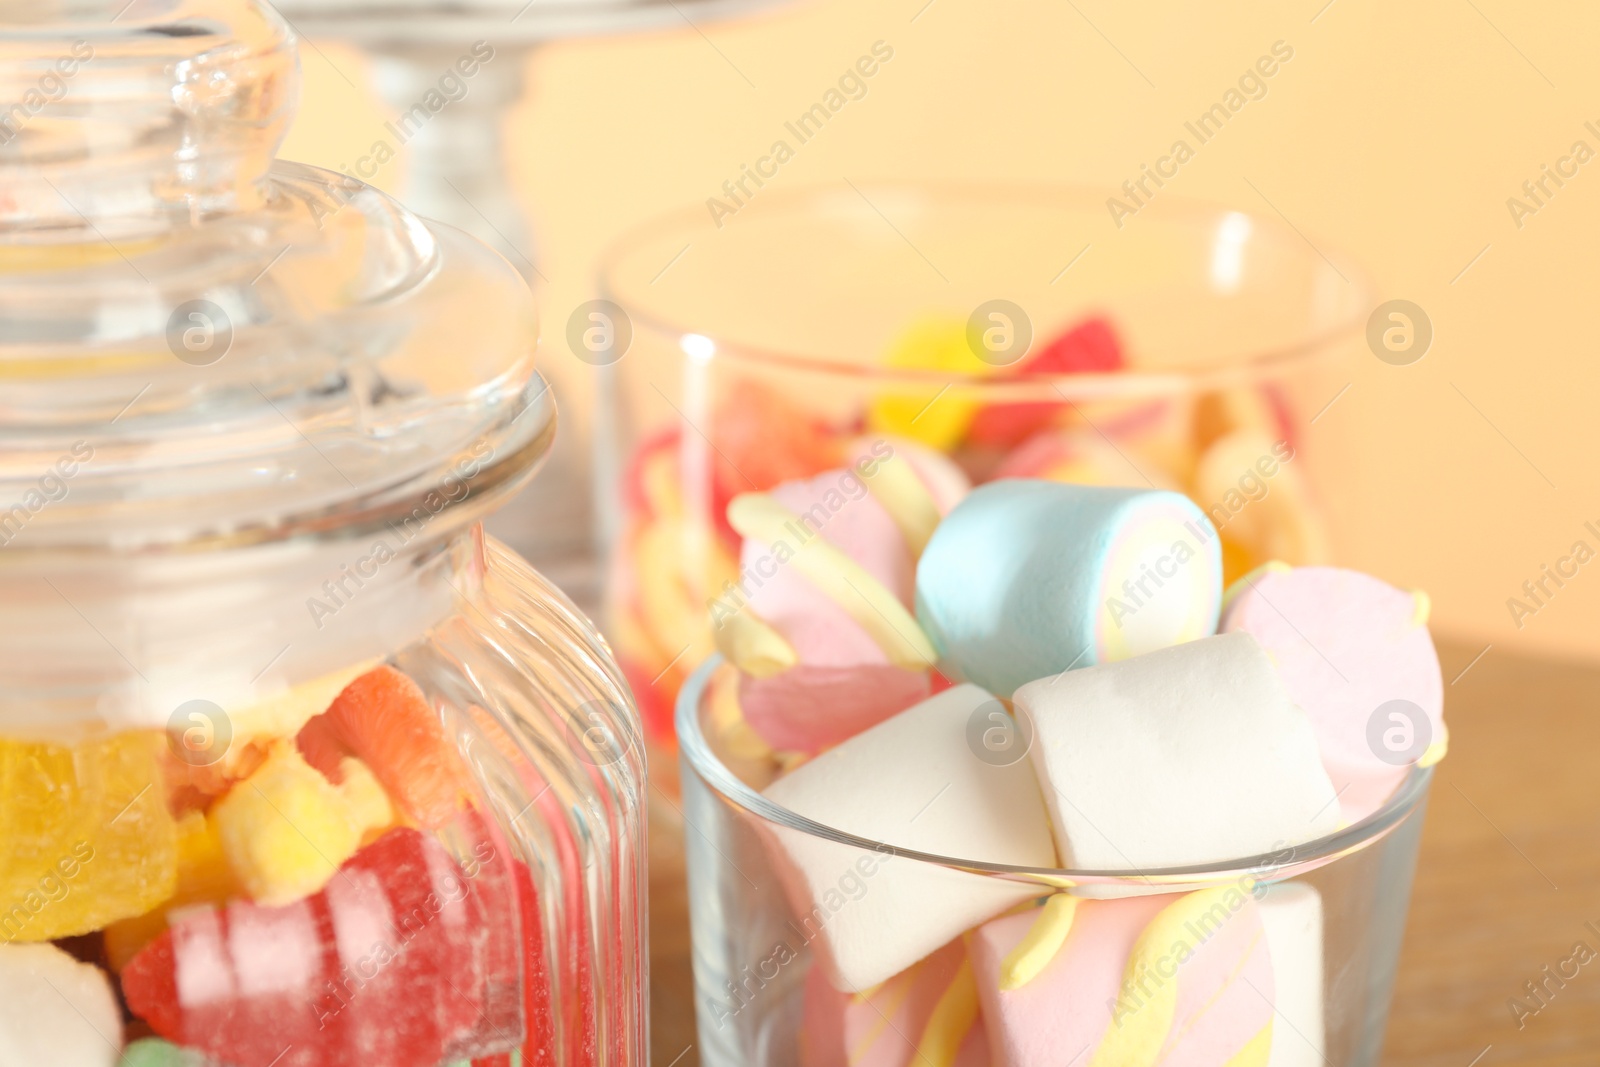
[[1396, 133]]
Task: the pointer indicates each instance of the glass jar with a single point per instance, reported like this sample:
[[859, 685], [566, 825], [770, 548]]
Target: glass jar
[[297, 767], [1331, 913], [1012, 328]]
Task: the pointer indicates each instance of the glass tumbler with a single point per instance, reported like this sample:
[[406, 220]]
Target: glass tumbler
[[1332, 912], [297, 767], [1013, 329]]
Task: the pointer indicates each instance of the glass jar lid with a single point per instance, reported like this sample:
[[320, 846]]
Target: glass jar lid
[[201, 347]]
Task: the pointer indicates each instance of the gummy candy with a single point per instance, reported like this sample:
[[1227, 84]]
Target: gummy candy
[[193, 783], [364, 796], [558, 858], [1089, 347], [671, 598], [87, 836], [761, 440], [55, 1011], [154, 1052], [665, 573], [929, 414], [650, 484], [653, 694], [1260, 502], [538, 1048], [516, 999], [286, 828], [283, 715], [194, 786], [395, 962], [203, 876], [384, 719]]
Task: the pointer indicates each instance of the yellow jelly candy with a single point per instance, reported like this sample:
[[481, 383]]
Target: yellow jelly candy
[[286, 829], [86, 835], [935, 414], [369, 806], [203, 877]]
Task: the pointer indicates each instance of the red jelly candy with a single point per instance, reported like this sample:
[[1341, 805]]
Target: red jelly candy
[[1090, 347], [655, 705], [639, 495], [395, 962], [538, 1050], [762, 439]]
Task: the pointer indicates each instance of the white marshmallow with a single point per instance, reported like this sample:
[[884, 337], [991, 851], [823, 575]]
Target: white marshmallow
[[1188, 755], [56, 1011], [1291, 916], [914, 781]]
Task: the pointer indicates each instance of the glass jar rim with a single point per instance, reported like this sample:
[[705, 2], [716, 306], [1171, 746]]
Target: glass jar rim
[[1285, 862], [1244, 365]]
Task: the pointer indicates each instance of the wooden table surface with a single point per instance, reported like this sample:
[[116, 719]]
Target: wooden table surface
[[1508, 880]]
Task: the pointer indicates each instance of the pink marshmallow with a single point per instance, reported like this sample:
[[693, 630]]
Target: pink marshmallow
[[1214, 971], [1067, 1007], [844, 682], [821, 632], [1346, 644], [807, 709], [888, 1026]]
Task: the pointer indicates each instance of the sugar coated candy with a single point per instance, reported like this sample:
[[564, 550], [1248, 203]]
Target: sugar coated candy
[[55, 1011], [393, 962], [87, 836]]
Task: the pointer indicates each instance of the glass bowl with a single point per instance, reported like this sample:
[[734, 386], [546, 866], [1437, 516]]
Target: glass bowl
[[743, 348], [1333, 911]]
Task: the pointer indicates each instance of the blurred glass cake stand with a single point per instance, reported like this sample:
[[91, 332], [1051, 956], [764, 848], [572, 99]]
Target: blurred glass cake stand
[[457, 174]]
